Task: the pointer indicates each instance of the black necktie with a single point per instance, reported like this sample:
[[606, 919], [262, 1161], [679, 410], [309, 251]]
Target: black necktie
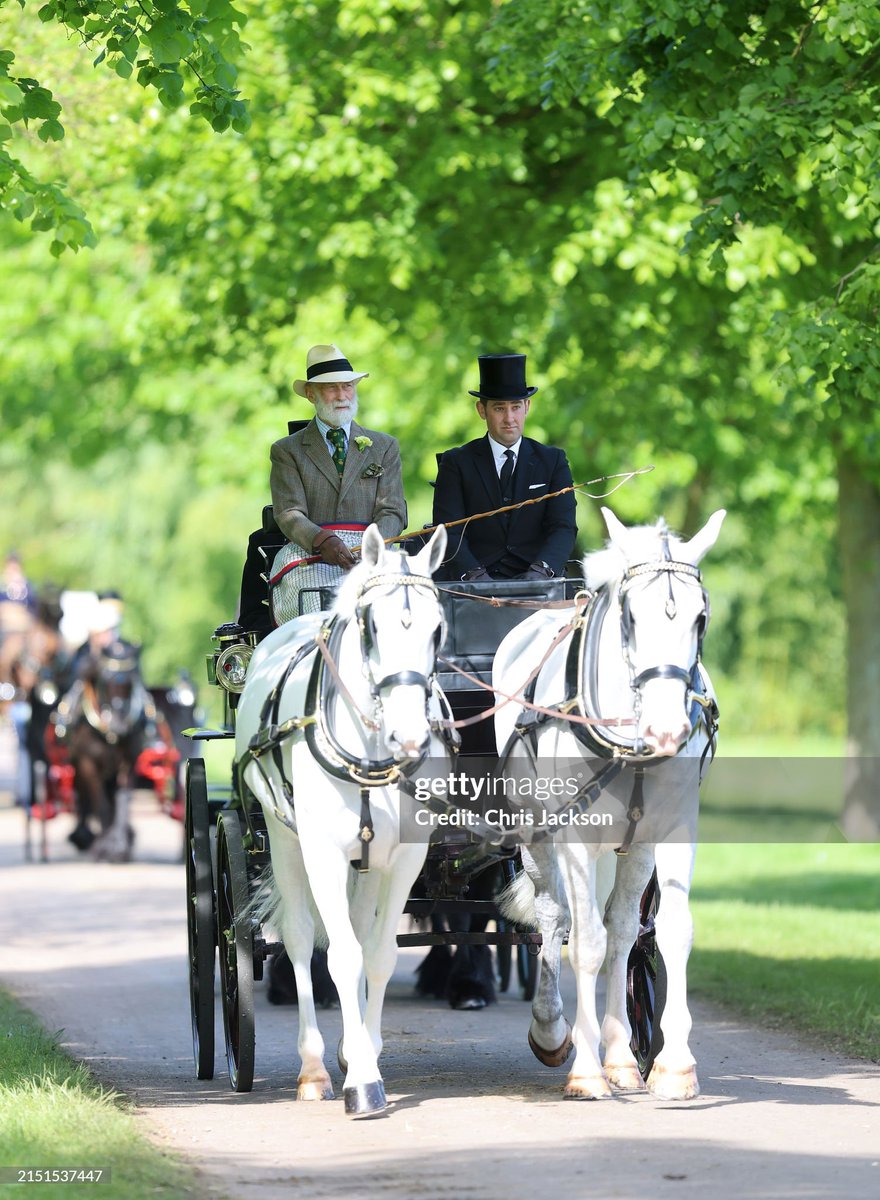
[[506, 476]]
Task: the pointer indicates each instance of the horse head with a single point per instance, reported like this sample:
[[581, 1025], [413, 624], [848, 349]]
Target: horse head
[[113, 700], [663, 612], [393, 599]]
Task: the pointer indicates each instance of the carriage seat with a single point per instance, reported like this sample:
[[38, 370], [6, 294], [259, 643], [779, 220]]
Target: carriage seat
[[475, 628]]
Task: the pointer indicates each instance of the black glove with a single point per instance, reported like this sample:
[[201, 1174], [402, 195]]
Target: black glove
[[538, 571], [333, 550], [476, 574]]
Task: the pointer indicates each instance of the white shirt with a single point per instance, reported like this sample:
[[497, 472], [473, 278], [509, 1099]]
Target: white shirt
[[323, 426], [498, 452]]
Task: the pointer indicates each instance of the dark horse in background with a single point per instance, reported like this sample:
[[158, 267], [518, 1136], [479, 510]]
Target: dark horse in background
[[104, 720]]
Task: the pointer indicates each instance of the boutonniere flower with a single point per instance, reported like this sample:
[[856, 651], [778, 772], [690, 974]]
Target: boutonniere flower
[[363, 443], [373, 471]]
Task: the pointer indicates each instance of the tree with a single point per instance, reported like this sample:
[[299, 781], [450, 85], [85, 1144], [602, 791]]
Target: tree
[[178, 51], [444, 178], [771, 110]]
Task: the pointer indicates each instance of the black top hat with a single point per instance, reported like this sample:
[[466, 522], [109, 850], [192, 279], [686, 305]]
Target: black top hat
[[503, 377]]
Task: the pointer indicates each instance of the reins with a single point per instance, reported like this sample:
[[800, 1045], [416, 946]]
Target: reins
[[623, 476]]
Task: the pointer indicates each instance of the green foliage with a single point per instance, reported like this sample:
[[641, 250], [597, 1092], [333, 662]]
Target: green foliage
[[604, 186], [169, 44]]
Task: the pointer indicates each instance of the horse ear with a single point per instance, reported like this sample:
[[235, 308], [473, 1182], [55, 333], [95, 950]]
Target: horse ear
[[703, 541], [617, 531], [372, 546], [432, 554]]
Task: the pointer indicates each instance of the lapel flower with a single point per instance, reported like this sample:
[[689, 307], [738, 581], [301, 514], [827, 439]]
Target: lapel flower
[[363, 443], [373, 471]]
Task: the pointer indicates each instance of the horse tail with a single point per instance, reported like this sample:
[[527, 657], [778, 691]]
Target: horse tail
[[266, 907], [517, 901]]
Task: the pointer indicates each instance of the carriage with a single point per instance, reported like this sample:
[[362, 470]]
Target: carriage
[[228, 847], [157, 768]]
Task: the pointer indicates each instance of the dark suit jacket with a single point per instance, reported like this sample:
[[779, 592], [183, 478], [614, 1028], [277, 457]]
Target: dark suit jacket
[[467, 483], [308, 492]]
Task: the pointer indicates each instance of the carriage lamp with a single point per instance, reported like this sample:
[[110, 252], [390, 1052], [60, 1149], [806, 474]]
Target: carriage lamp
[[230, 670], [228, 664]]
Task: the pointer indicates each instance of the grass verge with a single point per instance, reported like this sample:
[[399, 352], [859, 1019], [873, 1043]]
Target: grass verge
[[789, 936], [53, 1114]]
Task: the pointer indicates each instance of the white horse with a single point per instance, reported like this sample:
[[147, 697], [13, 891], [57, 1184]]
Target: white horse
[[323, 748], [633, 656]]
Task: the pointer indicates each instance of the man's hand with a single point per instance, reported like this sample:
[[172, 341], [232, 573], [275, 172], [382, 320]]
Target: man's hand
[[538, 571], [333, 550], [476, 574]]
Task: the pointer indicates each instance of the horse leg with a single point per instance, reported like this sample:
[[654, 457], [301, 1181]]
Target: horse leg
[[380, 942], [550, 1032], [298, 932], [117, 836], [674, 1074], [586, 952], [622, 925], [87, 789], [328, 871]]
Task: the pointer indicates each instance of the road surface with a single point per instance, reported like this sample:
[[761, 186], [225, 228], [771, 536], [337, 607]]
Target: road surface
[[99, 951]]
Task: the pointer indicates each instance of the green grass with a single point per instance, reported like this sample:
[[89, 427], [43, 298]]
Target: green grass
[[53, 1114], [789, 935]]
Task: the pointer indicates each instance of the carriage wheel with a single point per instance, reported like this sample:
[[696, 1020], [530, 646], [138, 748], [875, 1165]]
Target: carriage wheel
[[200, 924], [527, 971], [235, 940], [646, 984]]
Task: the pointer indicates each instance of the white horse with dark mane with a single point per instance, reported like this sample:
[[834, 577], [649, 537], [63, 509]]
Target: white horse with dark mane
[[336, 710], [628, 725]]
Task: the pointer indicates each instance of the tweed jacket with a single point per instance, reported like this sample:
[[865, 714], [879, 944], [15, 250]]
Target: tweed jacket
[[467, 483], [308, 491]]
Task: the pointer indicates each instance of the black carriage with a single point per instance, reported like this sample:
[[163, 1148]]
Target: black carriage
[[228, 844]]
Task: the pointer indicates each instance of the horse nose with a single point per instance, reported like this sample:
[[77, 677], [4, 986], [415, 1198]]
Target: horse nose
[[663, 742], [409, 748]]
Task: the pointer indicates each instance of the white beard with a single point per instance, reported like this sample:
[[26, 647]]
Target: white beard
[[337, 416]]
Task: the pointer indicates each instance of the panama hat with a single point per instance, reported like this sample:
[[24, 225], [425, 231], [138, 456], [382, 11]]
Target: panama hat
[[503, 377], [327, 364]]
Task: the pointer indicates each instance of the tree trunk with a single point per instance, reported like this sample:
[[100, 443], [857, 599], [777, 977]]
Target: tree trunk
[[859, 505]]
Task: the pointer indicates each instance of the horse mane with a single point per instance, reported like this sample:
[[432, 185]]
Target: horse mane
[[349, 588], [643, 544]]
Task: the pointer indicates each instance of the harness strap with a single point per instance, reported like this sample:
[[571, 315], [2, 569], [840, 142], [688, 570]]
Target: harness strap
[[635, 812], [365, 833], [269, 719], [366, 721]]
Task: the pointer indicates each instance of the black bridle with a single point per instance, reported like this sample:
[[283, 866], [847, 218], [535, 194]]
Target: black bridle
[[366, 626], [666, 566]]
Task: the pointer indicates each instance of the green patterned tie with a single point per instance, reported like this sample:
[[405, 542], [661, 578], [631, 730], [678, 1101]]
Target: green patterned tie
[[336, 437]]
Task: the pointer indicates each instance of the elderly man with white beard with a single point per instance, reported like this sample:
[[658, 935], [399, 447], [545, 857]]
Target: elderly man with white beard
[[334, 472]]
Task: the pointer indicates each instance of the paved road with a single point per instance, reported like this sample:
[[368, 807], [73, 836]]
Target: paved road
[[99, 951]]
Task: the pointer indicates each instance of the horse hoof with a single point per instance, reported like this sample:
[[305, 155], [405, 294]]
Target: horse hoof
[[625, 1078], [587, 1087], [314, 1089], [470, 1002], [82, 837], [553, 1058], [365, 1100], [673, 1085]]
